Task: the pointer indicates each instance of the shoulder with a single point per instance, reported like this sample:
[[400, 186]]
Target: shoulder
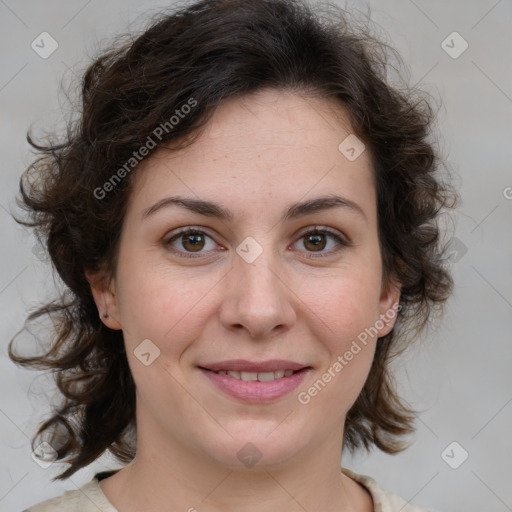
[[384, 501], [88, 498]]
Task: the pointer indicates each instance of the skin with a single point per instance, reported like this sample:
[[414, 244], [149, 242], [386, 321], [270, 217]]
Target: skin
[[257, 155]]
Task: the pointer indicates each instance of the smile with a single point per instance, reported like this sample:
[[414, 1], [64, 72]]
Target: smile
[[255, 387], [260, 376]]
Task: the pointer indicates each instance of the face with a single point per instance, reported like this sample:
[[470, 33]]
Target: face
[[282, 264]]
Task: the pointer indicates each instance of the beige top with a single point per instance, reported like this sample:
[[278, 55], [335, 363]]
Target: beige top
[[90, 498]]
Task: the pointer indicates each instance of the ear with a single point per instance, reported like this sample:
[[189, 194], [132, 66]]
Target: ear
[[104, 293], [389, 305]]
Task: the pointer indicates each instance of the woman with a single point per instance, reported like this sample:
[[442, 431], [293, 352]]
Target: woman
[[245, 218]]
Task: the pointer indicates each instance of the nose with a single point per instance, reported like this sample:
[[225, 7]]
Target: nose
[[257, 299]]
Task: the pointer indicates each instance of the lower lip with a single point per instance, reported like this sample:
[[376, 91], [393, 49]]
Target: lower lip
[[256, 391]]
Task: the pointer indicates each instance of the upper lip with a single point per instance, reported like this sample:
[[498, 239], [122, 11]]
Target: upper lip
[[242, 365]]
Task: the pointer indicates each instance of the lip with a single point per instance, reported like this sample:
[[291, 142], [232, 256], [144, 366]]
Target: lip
[[243, 365], [256, 391]]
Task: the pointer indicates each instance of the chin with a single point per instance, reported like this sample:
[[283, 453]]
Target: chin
[[256, 450]]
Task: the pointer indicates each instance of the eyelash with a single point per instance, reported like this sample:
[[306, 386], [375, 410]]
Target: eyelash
[[315, 231]]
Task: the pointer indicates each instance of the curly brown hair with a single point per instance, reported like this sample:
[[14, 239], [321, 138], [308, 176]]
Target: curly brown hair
[[213, 50]]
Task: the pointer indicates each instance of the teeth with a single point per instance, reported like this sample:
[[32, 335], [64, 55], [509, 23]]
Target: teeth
[[248, 376], [261, 376], [266, 376]]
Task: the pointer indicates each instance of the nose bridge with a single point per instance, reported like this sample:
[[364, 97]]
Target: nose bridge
[[258, 278], [257, 299], [255, 261]]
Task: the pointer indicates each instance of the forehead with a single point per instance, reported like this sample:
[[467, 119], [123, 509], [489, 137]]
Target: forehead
[[269, 146]]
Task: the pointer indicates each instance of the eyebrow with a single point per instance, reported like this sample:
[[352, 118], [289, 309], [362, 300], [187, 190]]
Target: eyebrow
[[295, 210]]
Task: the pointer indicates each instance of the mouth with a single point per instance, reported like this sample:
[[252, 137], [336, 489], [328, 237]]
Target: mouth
[[257, 376], [255, 382]]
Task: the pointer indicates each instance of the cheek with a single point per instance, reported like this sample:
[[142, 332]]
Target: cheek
[[168, 309], [165, 305], [346, 304], [346, 310]]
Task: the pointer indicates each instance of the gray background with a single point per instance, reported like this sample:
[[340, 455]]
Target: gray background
[[460, 377]]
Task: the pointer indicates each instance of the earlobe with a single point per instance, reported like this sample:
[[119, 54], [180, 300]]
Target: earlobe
[[389, 306], [103, 291]]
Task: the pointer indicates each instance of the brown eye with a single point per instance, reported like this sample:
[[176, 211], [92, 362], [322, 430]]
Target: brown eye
[[190, 243], [315, 242], [323, 242], [193, 242]]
